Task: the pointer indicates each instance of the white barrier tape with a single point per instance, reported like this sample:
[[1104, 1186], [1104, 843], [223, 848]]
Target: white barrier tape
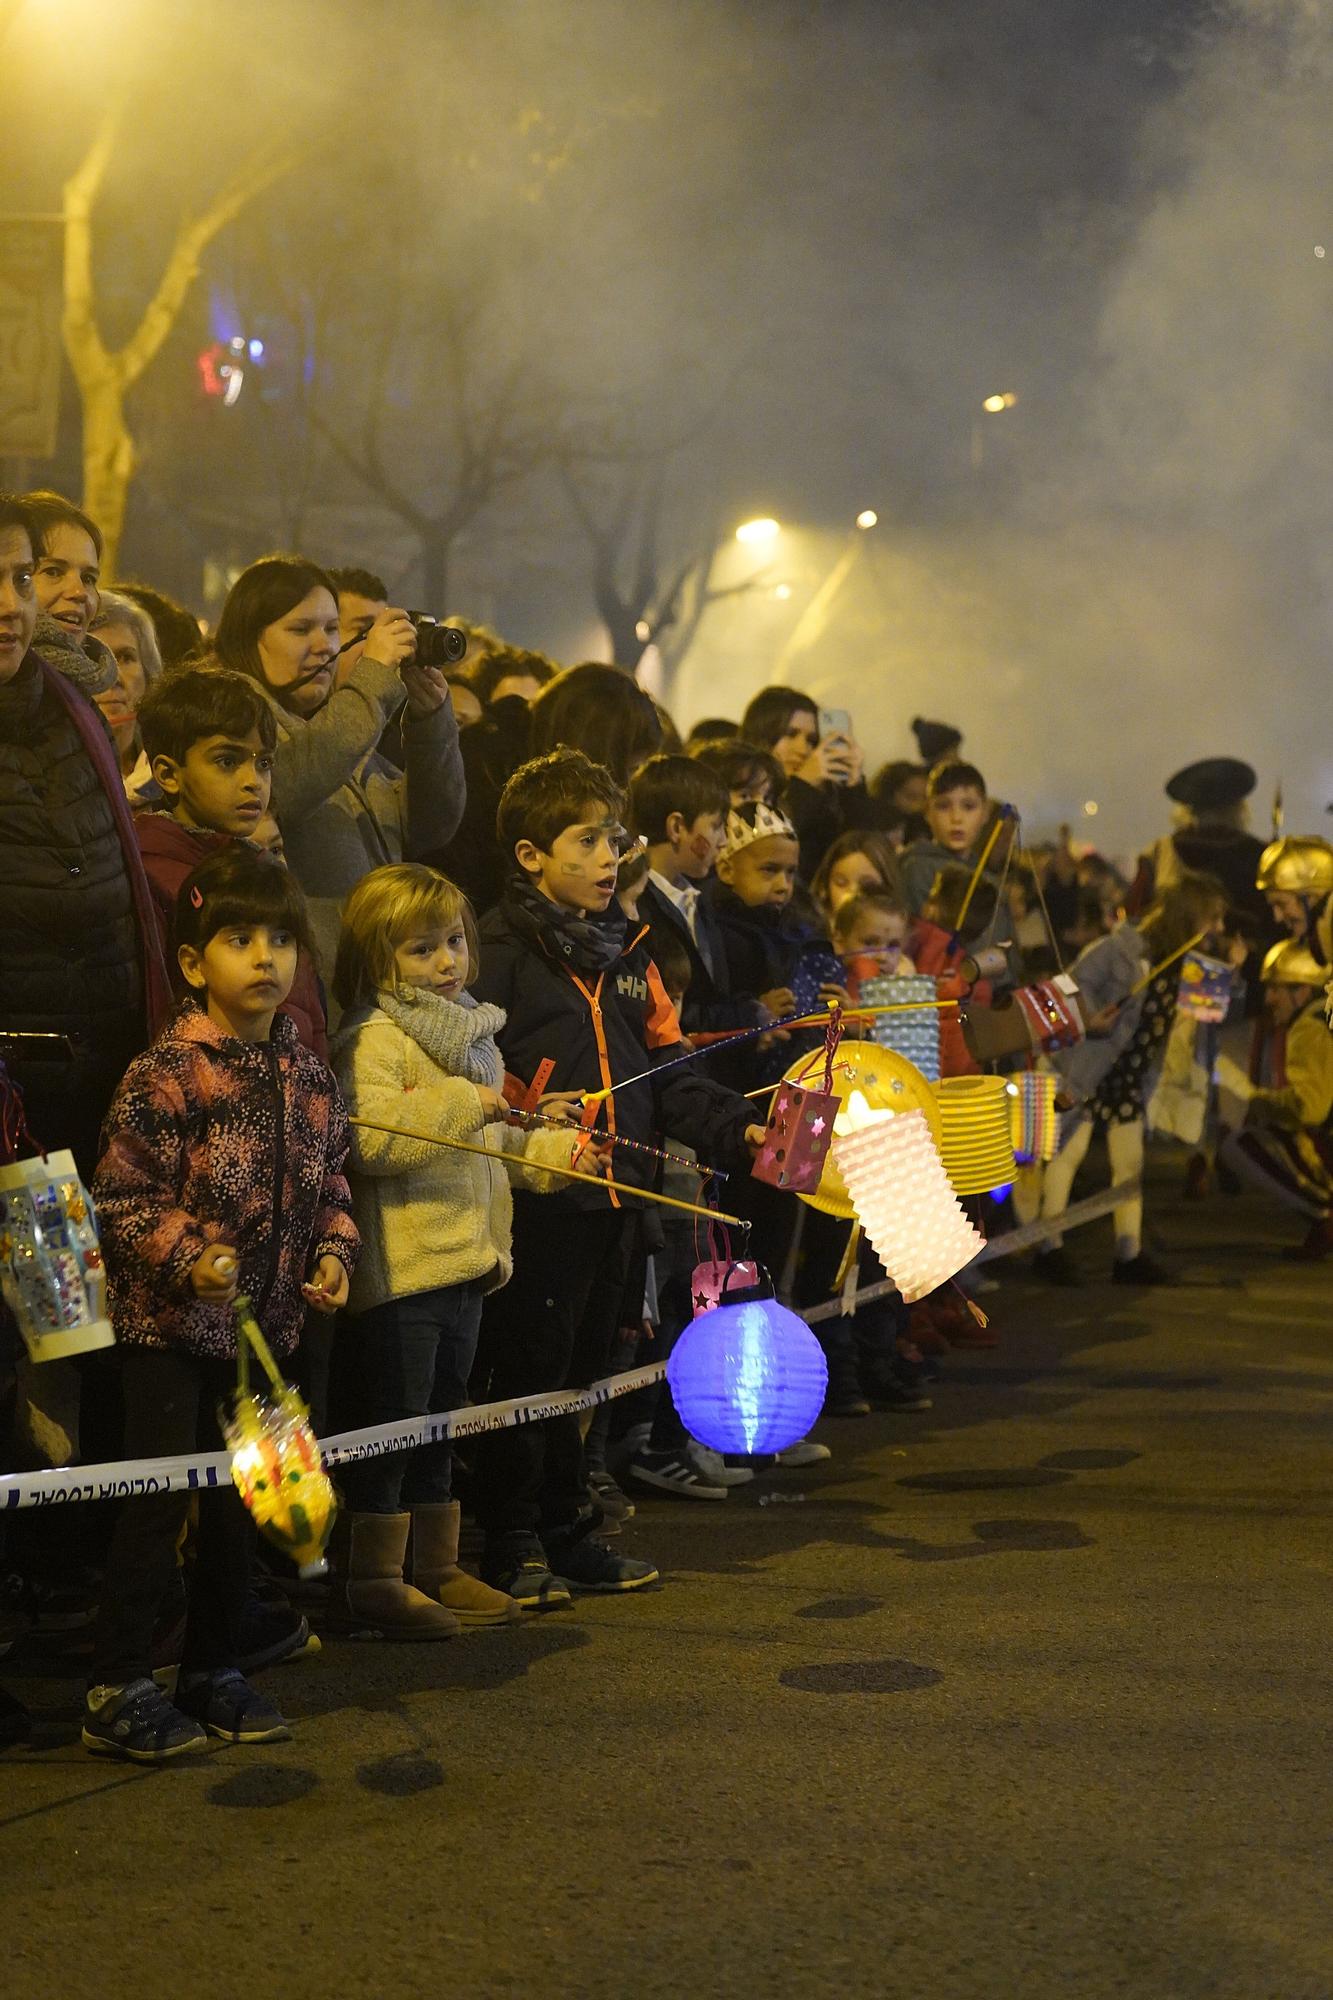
[[134, 1478], [1007, 1245]]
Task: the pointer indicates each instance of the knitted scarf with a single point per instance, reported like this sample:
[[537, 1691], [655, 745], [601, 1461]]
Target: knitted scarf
[[87, 662], [584, 943], [458, 1035]]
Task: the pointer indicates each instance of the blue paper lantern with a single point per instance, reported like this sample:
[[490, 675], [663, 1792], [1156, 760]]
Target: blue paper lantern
[[748, 1378]]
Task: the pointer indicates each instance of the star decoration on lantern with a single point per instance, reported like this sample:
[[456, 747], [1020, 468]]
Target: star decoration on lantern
[[818, 1126]]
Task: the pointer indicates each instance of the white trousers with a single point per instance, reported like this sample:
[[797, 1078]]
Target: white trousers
[[1124, 1143]]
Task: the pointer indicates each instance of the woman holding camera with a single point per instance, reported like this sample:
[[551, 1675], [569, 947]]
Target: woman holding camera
[[342, 807]]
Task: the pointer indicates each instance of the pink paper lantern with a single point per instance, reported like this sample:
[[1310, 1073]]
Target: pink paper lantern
[[797, 1140], [905, 1203]]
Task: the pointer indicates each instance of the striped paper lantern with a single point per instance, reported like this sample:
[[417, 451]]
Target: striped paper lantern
[[976, 1132], [905, 1204], [1033, 1116], [915, 1035]]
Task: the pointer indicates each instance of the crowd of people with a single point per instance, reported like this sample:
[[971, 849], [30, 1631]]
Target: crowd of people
[[284, 905]]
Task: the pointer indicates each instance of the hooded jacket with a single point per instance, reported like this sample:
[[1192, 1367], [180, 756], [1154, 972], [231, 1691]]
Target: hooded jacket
[[171, 852], [210, 1139]]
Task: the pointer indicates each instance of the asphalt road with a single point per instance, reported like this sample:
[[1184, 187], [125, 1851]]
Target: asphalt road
[[1029, 1697]]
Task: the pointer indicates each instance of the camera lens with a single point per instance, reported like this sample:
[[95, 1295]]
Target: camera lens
[[437, 645]]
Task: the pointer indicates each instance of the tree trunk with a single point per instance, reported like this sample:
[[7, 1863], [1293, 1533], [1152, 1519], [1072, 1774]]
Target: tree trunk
[[435, 551], [108, 462]]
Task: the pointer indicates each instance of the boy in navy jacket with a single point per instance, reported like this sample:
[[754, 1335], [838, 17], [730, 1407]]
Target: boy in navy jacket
[[580, 990]]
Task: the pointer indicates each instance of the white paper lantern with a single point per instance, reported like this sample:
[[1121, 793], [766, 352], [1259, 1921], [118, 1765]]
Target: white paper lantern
[[905, 1203]]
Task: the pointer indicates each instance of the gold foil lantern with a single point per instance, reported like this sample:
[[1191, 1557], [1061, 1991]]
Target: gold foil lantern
[[884, 1082], [276, 1462]]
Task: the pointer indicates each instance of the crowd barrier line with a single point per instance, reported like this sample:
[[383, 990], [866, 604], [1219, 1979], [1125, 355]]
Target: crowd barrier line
[[196, 1472], [134, 1478]]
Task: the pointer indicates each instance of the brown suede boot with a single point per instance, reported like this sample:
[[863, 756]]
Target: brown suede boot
[[373, 1597], [435, 1570]]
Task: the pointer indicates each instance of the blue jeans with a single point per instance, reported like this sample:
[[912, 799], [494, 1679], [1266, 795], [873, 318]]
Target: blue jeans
[[409, 1358]]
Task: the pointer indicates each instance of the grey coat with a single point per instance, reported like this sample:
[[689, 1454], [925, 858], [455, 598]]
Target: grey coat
[[1107, 971], [343, 808]]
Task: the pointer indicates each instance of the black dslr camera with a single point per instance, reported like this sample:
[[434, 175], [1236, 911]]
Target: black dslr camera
[[437, 645]]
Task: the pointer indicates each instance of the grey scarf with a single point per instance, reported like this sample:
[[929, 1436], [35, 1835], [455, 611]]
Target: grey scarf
[[87, 662], [459, 1034]]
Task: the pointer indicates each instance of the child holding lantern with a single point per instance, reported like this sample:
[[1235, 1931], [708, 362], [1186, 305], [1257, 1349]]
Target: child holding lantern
[[221, 1172], [415, 1050]]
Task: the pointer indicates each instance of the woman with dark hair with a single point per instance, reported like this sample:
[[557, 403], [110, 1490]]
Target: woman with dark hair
[[602, 712], [343, 808], [594, 708], [823, 793]]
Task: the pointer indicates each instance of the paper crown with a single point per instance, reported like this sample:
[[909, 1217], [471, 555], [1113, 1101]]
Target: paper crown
[[756, 822]]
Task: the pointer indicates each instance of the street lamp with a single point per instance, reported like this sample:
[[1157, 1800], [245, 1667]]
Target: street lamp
[[757, 533], [867, 518], [1000, 402]]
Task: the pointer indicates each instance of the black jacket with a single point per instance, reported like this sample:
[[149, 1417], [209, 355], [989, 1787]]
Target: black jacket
[[600, 1029], [492, 751], [70, 954], [710, 1006], [821, 814]]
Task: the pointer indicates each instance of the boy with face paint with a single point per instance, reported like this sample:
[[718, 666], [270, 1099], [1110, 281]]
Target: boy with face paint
[[580, 991]]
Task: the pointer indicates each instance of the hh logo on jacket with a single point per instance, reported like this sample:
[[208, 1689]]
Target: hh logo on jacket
[[632, 986]]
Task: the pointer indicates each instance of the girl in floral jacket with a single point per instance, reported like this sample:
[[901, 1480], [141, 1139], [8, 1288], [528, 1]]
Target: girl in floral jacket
[[221, 1172]]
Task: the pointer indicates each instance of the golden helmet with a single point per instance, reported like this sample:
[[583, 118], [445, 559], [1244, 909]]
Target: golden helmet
[[1299, 865], [1292, 963]]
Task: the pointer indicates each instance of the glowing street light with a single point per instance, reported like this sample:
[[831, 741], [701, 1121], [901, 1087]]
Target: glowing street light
[[782, 592], [994, 404], [757, 533], [867, 518], [643, 631]]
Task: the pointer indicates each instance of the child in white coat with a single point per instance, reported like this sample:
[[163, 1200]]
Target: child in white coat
[[415, 1050]]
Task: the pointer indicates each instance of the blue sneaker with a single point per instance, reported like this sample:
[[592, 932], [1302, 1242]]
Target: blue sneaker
[[229, 1707], [516, 1564], [579, 1560], [139, 1722]]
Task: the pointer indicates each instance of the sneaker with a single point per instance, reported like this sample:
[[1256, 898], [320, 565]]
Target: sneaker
[[1140, 1270], [805, 1451], [229, 1707], [138, 1722], [674, 1472], [516, 1563], [271, 1632], [892, 1395], [636, 1437], [1056, 1266], [616, 1505], [580, 1560], [846, 1403], [715, 1468]]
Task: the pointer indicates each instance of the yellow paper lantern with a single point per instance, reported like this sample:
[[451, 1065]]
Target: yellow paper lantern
[[976, 1132], [884, 1081], [905, 1204]]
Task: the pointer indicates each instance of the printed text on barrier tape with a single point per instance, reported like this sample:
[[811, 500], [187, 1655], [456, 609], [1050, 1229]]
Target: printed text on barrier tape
[[1002, 1246], [135, 1478]]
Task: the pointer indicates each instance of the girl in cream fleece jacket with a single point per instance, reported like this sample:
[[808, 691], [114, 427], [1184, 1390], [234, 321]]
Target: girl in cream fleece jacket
[[415, 1050]]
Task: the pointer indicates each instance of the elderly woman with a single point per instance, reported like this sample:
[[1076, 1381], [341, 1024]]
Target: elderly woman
[[128, 635], [342, 806]]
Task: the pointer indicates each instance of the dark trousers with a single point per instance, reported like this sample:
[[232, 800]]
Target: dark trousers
[[409, 1358], [553, 1326], [171, 1404]]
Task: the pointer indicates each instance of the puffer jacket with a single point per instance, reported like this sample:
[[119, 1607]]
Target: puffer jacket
[[171, 852], [600, 1029], [71, 956], [214, 1140]]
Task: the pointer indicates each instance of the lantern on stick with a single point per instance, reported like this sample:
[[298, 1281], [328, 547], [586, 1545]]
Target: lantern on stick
[[885, 1082], [276, 1461], [51, 1272], [906, 1206], [800, 1126], [915, 1035], [976, 1133], [748, 1375], [1034, 1120]]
